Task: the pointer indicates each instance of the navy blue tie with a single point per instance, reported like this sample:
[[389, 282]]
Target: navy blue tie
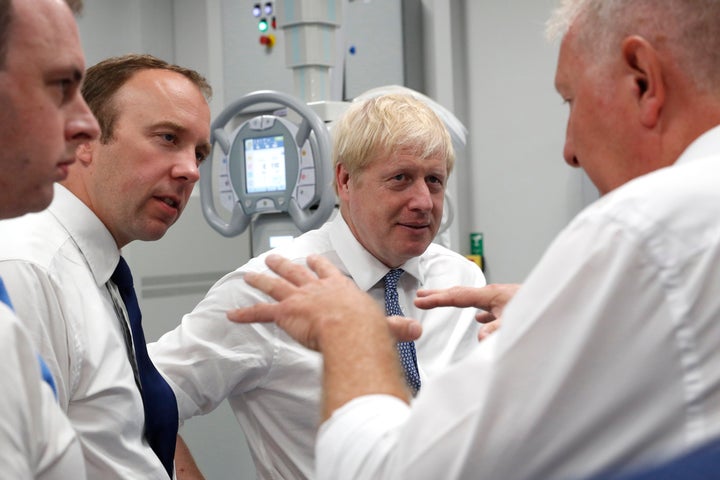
[[406, 349], [44, 370], [159, 403]]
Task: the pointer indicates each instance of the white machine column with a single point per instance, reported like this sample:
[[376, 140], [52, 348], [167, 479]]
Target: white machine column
[[310, 27]]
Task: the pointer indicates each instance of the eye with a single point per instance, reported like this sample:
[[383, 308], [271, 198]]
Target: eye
[[169, 137], [435, 184], [66, 87], [200, 156], [433, 179], [399, 177]]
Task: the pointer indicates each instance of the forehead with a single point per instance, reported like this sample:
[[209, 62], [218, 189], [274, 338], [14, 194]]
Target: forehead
[[157, 92], [43, 34], [407, 157], [563, 77]]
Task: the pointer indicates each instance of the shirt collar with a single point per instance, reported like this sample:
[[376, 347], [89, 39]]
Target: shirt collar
[[361, 265], [703, 146], [88, 232]]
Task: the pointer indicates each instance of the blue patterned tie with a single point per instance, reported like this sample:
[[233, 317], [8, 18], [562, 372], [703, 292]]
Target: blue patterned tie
[[159, 403], [406, 349], [44, 370]]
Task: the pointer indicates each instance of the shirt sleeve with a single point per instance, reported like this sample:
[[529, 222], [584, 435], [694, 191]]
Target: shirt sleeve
[[562, 390], [40, 309], [36, 439], [225, 358], [368, 428]]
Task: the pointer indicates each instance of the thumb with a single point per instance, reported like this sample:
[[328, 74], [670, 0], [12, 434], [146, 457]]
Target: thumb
[[404, 329]]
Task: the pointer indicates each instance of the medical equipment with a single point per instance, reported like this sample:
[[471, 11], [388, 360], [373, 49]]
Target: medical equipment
[[270, 165]]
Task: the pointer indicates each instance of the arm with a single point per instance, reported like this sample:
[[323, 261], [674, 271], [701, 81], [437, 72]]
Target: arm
[[328, 313], [36, 439], [562, 403], [40, 308], [185, 466]]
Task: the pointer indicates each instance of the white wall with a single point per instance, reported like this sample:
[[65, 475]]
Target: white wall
[[109, 28], [520, 191]]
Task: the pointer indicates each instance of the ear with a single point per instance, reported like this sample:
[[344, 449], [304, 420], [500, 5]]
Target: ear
[[84, 153], [643, 61], [342, 180]]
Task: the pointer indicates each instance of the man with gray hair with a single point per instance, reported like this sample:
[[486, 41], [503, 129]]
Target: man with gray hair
[[608, 356]]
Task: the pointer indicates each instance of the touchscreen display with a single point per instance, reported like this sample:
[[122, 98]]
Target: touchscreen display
[[265, 164]]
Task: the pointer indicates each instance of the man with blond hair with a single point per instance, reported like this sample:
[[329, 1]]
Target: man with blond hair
[[392, 157]]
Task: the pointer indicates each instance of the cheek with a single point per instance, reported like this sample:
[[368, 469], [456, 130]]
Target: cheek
[[188, 191], [438, 203]]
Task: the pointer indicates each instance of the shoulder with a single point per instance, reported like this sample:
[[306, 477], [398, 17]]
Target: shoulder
[[454, 268], [661, 210], [34, 238]]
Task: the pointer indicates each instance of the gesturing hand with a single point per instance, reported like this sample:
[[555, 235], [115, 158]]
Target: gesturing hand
[[313, 301], [491, 299]]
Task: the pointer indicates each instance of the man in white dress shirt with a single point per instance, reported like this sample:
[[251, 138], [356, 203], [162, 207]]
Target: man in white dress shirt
[[132, 183], [42, 119], [608, 356], [392, 159]]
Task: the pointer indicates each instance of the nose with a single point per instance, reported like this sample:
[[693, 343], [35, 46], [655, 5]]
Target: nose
[[81, 125], [569, 154], [186, 167], [420, 197]]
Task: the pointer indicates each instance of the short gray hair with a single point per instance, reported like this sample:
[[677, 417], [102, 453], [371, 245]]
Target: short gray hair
[[688, 29]]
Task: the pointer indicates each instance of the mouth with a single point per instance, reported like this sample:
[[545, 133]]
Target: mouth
[[62, 168], [170, 201], [415, 226]]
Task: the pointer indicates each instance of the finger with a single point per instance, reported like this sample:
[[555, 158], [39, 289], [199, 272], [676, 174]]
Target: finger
[[432, 298], [485, 317], [292, 272], [258, 313], [322, 266], [428, 291], [276, 287], [451, 297], [404, 329], [488, 329]]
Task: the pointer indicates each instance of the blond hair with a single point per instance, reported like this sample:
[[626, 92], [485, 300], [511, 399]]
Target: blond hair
[[386, 124]]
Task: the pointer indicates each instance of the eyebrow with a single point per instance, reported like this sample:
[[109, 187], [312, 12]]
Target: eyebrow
[[203, 148], [76, 75]]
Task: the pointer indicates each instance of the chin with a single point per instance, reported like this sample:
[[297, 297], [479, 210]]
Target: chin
[[39, 204], [153, 234], [412, 252]]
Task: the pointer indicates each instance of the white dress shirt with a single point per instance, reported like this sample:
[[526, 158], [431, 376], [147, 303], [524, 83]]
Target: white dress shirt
[[273, 383], [36, 439], [608, 357], [56, 265]]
